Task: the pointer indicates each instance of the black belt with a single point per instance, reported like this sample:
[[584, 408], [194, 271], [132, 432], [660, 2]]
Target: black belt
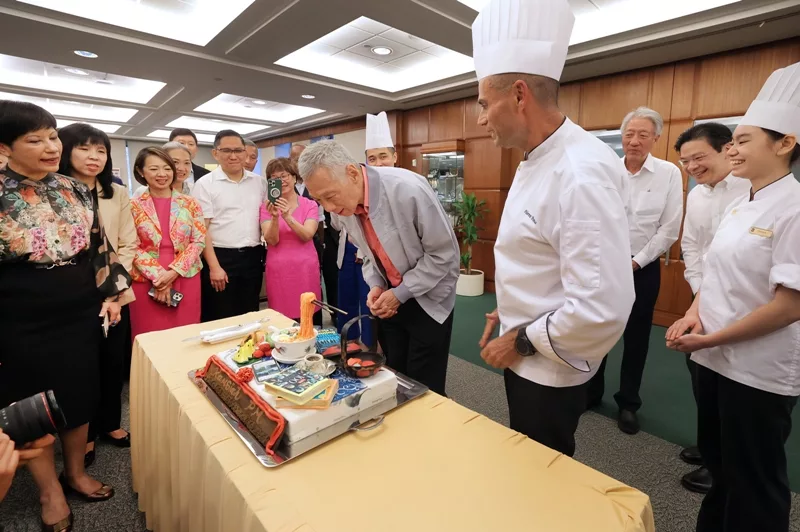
[[240, 250]]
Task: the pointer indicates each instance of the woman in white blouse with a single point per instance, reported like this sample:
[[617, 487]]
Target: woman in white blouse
[[744, 325]]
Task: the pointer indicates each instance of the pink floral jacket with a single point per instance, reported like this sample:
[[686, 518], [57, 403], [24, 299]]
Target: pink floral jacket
[[187, 232]]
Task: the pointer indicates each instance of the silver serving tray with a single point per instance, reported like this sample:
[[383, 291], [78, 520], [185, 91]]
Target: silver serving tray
[[369, 419]]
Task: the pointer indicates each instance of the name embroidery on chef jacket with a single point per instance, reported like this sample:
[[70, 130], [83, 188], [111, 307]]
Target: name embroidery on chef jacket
[[530, 216]]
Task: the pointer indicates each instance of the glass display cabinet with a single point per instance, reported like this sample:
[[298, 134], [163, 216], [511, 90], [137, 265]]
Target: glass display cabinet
[[612, 137], [443, 166]]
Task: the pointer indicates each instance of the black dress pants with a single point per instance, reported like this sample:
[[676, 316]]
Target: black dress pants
[[416, 345], [741, 434], [646, 282], [545, 414], [245, 269], [115, 353], [330, 269]]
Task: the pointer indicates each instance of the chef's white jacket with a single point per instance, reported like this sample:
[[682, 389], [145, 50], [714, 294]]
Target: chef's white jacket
[[656, 209], [756, 248], [705, 207], [563, 257]]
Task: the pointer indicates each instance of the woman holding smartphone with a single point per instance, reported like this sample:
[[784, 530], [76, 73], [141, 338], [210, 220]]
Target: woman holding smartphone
[[288, 225], [171, 237], [744, 325], [86, 156]]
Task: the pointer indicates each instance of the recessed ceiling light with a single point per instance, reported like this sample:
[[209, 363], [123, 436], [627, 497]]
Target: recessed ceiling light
[[381, 50], [309, 96], [86, 54], [259, 102], [104, 81], [76, 71]]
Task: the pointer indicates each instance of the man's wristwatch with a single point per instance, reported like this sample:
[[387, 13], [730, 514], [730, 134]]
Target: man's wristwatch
[[524, 346]]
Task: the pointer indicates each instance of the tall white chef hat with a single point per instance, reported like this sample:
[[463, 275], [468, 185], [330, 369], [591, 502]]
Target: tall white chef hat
[[378, 133], [777, 106], [522, 36]]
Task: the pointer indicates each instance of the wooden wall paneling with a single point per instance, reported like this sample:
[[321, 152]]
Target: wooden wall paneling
[[483, 164], [569, 101], [409, 155], [483, 258], [495, 200], [674, 297], [446, 121], [660, 98], [728, 83], [605, 101], [396, 127], [471, 112], [415, 126], [683, 86]]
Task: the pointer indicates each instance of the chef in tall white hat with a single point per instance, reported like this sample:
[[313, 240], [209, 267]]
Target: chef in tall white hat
[[380, 147], [744, 325], [562, 257]]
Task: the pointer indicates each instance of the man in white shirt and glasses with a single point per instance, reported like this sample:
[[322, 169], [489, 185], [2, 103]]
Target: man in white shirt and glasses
[[563, 280], [702, 155], [233, 265], [656, 211]]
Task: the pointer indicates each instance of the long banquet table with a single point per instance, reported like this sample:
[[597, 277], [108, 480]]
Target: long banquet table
[[432, 466]]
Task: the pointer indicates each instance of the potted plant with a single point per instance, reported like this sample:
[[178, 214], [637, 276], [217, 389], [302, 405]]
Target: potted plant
[[468, 211]]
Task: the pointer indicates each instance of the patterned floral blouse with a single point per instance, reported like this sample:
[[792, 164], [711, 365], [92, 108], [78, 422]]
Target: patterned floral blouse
[[52, 221]]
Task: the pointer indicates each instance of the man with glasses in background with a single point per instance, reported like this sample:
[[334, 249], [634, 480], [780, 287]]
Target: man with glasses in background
[[231, 197]]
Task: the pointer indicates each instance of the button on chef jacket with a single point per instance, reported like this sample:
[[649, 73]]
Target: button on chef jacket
[[756, 248], [562, 257], [656, 209], [705, 208]]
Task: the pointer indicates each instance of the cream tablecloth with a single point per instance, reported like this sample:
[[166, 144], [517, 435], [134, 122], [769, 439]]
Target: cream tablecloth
[[433, 466]]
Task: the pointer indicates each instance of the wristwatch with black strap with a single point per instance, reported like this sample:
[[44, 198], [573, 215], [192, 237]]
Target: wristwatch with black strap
[[524, 346]]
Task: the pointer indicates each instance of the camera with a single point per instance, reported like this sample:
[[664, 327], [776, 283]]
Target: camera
[[32, 418]]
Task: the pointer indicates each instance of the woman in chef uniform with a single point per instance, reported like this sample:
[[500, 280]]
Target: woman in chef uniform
[[744, 325]]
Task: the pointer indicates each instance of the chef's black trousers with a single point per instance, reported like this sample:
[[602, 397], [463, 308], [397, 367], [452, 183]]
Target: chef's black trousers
[[545, 414], [741, 434], [416, 345], [646, 283], [245, 269]]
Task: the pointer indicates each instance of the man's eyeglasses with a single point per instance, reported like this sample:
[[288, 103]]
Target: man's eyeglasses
[[696, 159], [229, 151]]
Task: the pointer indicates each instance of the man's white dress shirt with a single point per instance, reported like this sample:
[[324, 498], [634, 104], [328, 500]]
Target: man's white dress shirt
[[656, 209], [233, 207], [705, 207]]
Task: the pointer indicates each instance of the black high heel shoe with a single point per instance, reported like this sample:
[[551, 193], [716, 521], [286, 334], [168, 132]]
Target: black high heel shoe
[[103, 494], [123, 443]]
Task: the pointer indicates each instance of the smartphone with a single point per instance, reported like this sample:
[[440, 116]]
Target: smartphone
[[175, 297], [273, 190]]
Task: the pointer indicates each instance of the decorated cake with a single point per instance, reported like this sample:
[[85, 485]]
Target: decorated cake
[[263, 405]]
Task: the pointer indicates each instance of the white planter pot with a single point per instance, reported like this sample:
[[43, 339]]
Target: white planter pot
[[470, 285]]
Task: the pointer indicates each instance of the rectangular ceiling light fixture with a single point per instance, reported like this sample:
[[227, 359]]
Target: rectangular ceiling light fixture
[[371, 54], [256, 109], [618, 16], [214, 125], [74, 109], [33, 74], [106, 128], [190, 21], [164, 134]]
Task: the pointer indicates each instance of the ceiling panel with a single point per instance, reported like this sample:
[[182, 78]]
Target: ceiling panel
[[192, 21], [366, 49]]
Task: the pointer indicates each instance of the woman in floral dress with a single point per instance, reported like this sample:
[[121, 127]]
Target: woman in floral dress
[[59, 279]]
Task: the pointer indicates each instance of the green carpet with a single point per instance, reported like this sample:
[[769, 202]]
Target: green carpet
[[668, 409]]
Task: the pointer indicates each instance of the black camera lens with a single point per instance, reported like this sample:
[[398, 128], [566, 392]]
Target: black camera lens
[[32, 418]]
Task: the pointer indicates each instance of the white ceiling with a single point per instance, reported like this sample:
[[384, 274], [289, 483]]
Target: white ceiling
[[209, 65]]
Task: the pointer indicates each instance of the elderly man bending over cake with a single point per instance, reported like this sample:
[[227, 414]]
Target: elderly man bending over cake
[[411, 254]]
